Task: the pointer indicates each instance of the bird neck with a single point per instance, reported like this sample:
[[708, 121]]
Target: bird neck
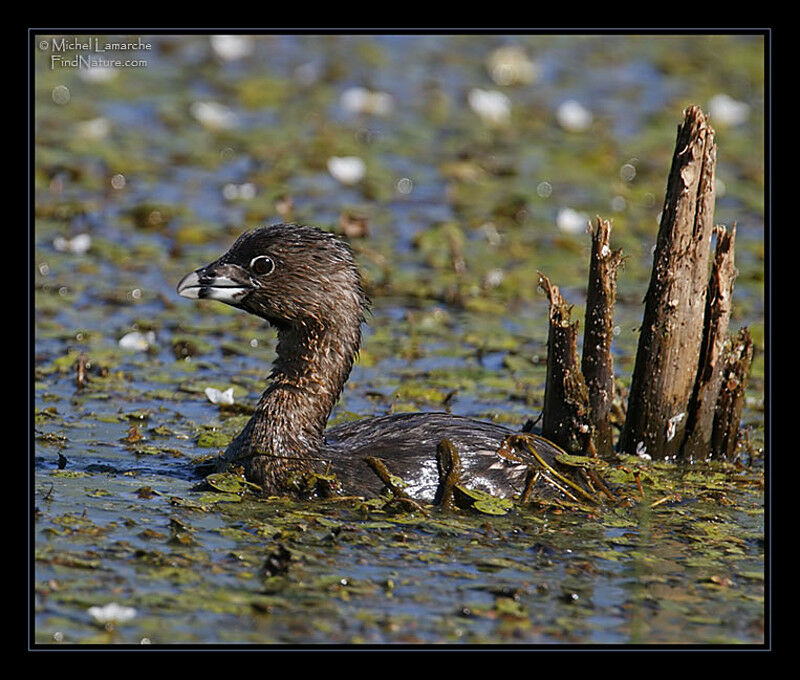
[[313, 363]]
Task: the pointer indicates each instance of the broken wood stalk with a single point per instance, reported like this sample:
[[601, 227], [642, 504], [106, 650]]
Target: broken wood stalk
[[703, 404], [566, 413], [448, 465], [731, 395], [597, 364], [672, 330]]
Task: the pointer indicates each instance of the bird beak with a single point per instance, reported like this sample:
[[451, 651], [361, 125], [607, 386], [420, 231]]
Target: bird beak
[[226, 283]]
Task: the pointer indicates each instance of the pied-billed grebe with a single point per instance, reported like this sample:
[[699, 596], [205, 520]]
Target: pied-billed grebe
[[306, 284]]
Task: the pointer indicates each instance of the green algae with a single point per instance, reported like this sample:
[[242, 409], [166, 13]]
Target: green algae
[[480, 501]]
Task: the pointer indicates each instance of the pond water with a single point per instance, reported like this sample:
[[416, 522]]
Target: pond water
[[143, 173]]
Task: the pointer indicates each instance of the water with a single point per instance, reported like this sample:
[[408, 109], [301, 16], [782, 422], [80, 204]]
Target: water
[[684, 571]]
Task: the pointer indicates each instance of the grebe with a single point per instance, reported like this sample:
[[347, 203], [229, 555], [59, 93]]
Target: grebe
[[305, 283]]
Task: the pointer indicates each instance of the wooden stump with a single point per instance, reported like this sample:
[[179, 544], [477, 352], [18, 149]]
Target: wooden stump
[[597, 364], [687, 388], [712, 353], [672, 330], [731, 395], [566, 414]]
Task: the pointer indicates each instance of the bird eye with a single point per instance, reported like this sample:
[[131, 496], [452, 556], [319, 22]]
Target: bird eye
[[261, 265]]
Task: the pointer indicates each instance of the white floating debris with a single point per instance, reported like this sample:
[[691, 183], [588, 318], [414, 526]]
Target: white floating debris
[[641, 451], [627, 172], [247, 191], [573, 116], [118, 181], [493, 278], [112, 613], [672, 425], [544, 189], [493, 236], [405, 185], [510, 65], [491, 105], [231, 191], [215, 396], [727, 111], [571, 221], [96, 128], [618, 203], [98, 74], [137, 340], [231, 47], [354, 99], [308, 73], [61, 94], [214, 115], [347, 169], [362, 100], [77, 245]]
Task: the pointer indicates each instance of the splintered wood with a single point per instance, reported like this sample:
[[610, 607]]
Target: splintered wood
[[597, 363], [566, 415], [687, 387], [672, 330], [703, 404]]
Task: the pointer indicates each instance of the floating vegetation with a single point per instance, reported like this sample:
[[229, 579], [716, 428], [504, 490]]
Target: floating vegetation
[[480, 501], [229, 483]]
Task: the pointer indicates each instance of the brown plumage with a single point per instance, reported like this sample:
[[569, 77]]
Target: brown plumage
[[306, 284]]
